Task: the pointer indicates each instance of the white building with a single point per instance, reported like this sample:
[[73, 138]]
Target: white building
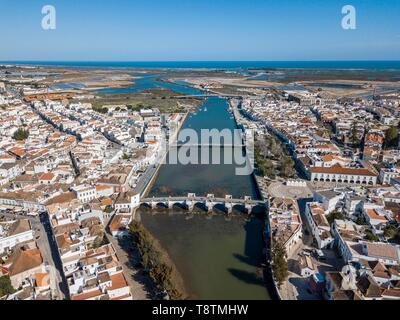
[[328, 199], [386, 175], [10, 170], [85, 193], [13, 233], [318, 224], [286, 224], [339, 174]]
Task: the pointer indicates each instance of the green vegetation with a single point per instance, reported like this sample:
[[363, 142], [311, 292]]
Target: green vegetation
[[269, 149], [100, 241], [5, 286], [154, 260], [21, 134], [391, 232], [103, 110], [109, 209], [286, 167], [162, 99], [126, 156], [265, 166], [335, 215], [361, 220], [325, 130], [391, 138], [370, 236], [279, 263]]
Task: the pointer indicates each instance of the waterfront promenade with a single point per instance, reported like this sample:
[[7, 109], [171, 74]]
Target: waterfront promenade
[[146, 180]]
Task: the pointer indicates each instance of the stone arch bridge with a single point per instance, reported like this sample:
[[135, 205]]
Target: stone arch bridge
[[208, 202]]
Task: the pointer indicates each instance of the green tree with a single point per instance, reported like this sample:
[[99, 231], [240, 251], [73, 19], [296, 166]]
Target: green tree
[[21, 134], [5, 286], [361, 220], [161, 274], [126, 156], [108, 209], [279, 263], [286, 167], [390, 232], [391, 137], [369, 236], [101, 109], [335, 215], [99, 242], [269, 168], [154, 260]]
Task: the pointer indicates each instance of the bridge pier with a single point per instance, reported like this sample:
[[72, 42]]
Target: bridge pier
[[229, 207], [207, 202], [190, 205], [209, 205], [248, 207]]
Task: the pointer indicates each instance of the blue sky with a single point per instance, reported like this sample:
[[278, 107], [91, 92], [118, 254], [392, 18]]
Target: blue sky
[[199, 30]]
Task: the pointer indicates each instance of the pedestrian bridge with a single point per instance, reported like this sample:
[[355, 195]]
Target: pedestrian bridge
[[208, 202]]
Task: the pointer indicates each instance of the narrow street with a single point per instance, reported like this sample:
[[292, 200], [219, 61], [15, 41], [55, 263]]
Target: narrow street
[[48, 249], [128, 258], [58, 287]]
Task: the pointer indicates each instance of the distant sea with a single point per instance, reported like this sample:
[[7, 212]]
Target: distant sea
[[338, 65]]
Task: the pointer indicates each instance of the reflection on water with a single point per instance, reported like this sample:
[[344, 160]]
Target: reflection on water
[[152, 81], [220, 179], [218, 259]]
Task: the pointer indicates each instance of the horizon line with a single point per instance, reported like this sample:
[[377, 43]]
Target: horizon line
[[290, 60]]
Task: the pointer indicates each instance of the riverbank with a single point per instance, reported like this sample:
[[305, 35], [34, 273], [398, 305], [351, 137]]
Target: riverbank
[[151, 173], [217, 258], [160, 266]]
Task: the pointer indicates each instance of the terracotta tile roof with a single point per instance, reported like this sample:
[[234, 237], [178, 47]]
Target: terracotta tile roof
[[338, 169], [25, 260], [17, 151], [391, 293], [118, 281], [382, 250], [116, 224], [100, 187], [6, 156], [372, 214], [47, 176], [107, 202], [88, 295], [42, 279], [62, 198]]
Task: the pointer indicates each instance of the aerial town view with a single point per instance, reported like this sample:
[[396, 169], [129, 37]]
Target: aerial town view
[[221, 179]]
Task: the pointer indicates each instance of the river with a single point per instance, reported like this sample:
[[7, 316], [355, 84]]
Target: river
[[218, 258]]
